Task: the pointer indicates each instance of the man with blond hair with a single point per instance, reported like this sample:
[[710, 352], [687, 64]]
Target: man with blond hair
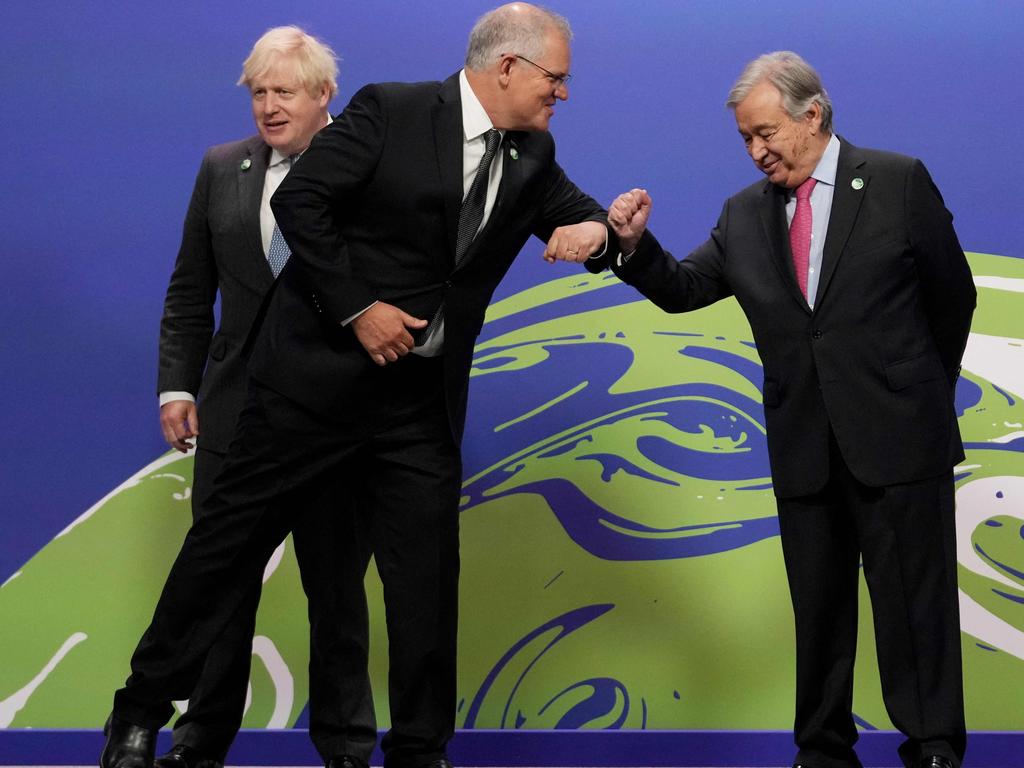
[[229, 248], [402, 218]]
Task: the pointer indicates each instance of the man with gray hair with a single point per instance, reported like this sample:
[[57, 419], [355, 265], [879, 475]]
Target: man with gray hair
[[402, 217], [228, 248], [860, 299]]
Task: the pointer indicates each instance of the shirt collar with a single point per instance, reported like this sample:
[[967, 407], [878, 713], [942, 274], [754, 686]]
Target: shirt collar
[[276, 157], [475, 122], [827, 166]]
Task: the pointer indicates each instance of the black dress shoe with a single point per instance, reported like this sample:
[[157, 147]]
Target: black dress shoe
[[128, 745], [442, 762], [936, 761], [346, 761], [184, 756]]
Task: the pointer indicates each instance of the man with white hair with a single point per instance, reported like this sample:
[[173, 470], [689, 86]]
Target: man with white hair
[[228, 248], [402, 217], [860, 299]]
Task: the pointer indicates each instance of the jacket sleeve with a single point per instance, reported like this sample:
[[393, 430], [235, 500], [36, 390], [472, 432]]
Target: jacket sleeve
[[187, 323], [339, 162], [946, 281], [678, 285], [564, 203]]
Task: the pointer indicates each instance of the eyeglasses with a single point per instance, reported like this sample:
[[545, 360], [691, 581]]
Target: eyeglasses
[[556, 80]]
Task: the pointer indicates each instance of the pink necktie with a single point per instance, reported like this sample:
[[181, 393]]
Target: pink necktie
[[800, 233]]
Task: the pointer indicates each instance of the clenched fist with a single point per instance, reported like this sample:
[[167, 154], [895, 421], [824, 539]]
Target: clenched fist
[[628, 217]]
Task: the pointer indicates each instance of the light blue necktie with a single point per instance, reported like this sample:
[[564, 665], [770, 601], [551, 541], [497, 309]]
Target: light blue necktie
[[278, 253]]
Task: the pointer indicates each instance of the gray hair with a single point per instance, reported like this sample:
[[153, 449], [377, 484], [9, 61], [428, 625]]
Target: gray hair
[[794, 78], [317, 63], [515, 28]]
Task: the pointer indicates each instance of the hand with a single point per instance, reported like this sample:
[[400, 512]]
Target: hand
[[628, 217], [576, 242], [179, 422], [382, 330]]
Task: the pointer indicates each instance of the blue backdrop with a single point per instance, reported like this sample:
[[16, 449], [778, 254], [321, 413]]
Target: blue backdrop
[[110, 105]]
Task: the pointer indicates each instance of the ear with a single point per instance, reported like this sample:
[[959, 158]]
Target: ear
[[813, 118], [324, 97], [505, 69]]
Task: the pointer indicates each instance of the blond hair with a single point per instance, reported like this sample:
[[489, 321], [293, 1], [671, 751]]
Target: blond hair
[[317, 63]]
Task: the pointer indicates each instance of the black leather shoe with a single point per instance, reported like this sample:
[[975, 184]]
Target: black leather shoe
[[936, 761], [184, 756], [346, 761], [442, 762], [128, 745]]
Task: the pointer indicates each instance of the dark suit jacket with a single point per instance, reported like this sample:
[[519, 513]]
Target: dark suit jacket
[[221, 249], [371, 212], [877, 358]]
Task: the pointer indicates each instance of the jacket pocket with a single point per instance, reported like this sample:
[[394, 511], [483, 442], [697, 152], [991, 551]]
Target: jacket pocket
[[913, 370]]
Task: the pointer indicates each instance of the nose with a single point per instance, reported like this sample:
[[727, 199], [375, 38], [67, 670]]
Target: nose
[[269, 104], [562, 91], [757, 148]]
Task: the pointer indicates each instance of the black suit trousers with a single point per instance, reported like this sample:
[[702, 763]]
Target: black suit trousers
[[397, 454], [905, 535], [216, 704], [333, 549]]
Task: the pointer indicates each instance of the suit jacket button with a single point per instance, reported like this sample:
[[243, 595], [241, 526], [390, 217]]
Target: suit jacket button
[[816, 334]]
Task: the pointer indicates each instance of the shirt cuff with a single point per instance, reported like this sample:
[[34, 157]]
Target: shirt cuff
[[348, 320], [169, 397], [622, 258], [603, 250]]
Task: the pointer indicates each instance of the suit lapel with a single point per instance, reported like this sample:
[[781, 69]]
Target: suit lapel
[[250, 198], [776, 231], [846, 201], [448, 141]]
